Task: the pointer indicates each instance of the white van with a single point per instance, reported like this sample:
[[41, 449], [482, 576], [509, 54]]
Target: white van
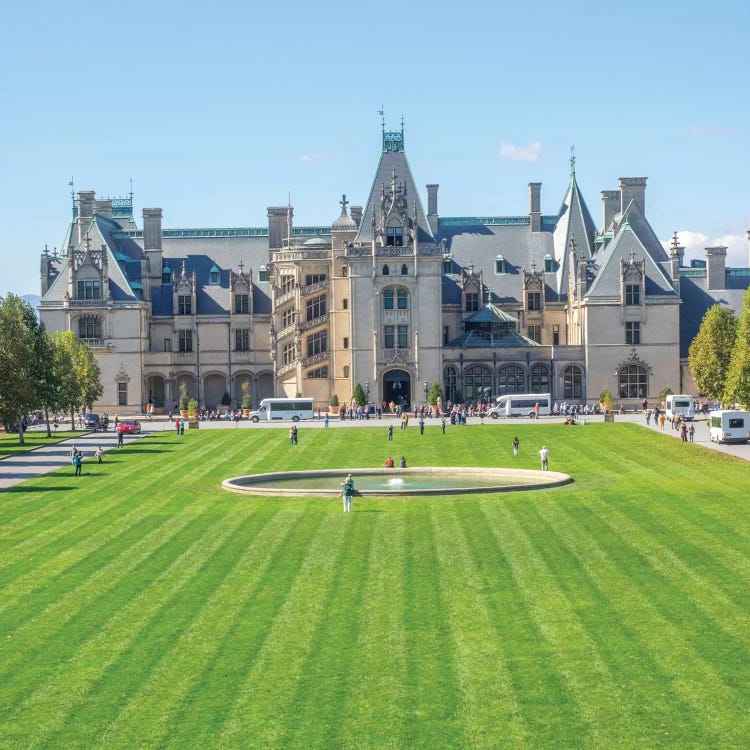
[[283, 408], [681, 405], [521, 405], [729, 426]]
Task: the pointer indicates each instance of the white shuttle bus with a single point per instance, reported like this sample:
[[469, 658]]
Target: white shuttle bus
[[521, 405], [681, 405], [283, 408], [729, 426]]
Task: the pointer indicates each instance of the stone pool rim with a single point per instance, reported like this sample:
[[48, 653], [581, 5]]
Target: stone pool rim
[[528, 479]]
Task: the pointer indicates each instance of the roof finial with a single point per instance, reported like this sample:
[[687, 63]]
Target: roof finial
[[131, 191], [572, 245], [344, 203], [572, 161], [72, 196], [242, 266], [382, 118], [675, 243]]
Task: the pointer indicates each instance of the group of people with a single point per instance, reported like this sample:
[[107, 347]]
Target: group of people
[[390, 465], [543, 453], [293, 435], [76, 458]]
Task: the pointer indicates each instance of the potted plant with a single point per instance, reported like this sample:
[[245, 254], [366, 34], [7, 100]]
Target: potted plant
[[606, 401], [247, 400], [183, 404], [192, 409]]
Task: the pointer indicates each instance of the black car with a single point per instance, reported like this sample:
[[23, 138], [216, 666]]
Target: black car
[[91, 421]]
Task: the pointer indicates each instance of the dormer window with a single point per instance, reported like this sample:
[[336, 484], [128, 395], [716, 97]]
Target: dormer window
[[214, 276], [549, 264], [447, 265], [184, 304], [632, 294], [166, 275], [394, 236], [89, 289], [263, 274], [499, 264], [241, 304], [472, 301]]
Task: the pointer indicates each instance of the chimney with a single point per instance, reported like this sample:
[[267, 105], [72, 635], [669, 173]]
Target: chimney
[[633, 188], [432, 207], [103, 207], [535, 202], [610, 206], [356, 214], [86, 200], [716, 258], [152, 243], [277, 228]]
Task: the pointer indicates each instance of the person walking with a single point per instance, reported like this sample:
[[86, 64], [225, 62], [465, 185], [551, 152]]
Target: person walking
[[99, 454], [291, 435], [325, 420], [442, 425], [691, 432], [182, 426], [662, 419], [347, 492], [77, 462], [390, 432], [516, 443], [295, 435], [544, 455], [120, 438], [421, 426]]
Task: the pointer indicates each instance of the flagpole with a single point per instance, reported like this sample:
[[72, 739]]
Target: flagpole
[[289, 219]]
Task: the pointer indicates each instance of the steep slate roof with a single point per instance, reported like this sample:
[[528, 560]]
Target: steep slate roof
[[635, 217]]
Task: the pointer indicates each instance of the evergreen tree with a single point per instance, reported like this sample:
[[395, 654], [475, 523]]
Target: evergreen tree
[[738, 376], [435, 393], [358, 397], [711, 350]]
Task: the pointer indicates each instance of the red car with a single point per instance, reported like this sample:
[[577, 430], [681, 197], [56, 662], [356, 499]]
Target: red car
[[129, 426]]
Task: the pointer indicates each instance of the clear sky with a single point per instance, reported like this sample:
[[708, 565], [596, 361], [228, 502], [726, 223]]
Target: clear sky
[[216, 110]]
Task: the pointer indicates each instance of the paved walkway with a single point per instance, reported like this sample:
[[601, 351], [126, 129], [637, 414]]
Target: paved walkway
[[18, 468]]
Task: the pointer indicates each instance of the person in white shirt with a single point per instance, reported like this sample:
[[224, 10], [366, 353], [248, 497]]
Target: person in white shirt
[[544, 455]]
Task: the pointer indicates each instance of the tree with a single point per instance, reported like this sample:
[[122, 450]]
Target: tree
[[334, 400], [21, 336], [737, 388], [711, 350], [436, 392], [358, 397]]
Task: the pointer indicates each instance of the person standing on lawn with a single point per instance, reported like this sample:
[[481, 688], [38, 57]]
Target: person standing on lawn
[[516, 443], [77, 462], [99, 453], [347, 492], [544, 455]]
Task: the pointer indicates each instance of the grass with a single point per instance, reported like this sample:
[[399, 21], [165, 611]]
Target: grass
[[9, 445], [143, 607]]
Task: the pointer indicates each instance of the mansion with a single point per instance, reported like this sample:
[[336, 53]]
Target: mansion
[[388, 295]]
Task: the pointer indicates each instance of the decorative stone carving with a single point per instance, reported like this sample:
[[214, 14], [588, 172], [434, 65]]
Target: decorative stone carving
[[634, 359]]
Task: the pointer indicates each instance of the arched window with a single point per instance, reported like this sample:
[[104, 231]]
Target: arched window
[[499, 264], [385, 270], [90, 330], [344, 271], [510, 379], [633, 381], [404, 270], [540, 379], [477, 383], [549, 264], [572, 382], [346, 371], [449, 383], [166, 275]]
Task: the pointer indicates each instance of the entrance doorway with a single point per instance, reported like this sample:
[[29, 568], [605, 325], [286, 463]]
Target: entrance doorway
[[397, 387]]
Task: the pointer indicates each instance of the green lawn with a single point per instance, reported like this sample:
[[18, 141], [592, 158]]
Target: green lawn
[[142, 606], [9, 444]]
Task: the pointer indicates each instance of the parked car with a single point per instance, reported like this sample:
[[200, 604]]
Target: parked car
[[129, 426], [92, 421]]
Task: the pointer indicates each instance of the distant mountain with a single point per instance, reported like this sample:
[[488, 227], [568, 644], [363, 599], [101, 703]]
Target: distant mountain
[[32, 299]]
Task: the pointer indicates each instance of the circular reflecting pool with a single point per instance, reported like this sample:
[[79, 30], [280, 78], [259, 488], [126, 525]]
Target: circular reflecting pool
[[443, 480]]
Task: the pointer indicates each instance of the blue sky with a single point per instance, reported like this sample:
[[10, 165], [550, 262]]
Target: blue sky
[[217, 110]]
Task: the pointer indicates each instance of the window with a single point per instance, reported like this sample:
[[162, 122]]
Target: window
[[242, 339], [315, 307], [287, 354], [388, 337], [533, 300], [241, 303], [262, 274], [346, 342], [317, 343], [186, 341], [388, 299], [345, 303], [403, 299], [346, 371], [472, 301], [449, 383], [445, 335], [184, 304], [572, 382], [122, 394], [213, 276], [404, 270], [477, 383], [320, 372], [287, 317], [447, 265], [314, 278], [344, 271], [89, 289], [555, 335], [166, 275], [510, 379], [90, 330], [633, 381], [287, 284], [632, 332], [632, 294], [540, 379], [167, 345], [534, 333], [385, 271], [549, 264], [394, 236], [403, 337], [499, 264]]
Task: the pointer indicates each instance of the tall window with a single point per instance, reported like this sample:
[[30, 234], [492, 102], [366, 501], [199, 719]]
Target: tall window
[[345, 343], [404, 270], [122, 394], [632, 332], [572, 382], [402, 298], [185, 339], [315, 307], [449, 383], [213, 277], [89, 328], [287, 354], [633, 380], [241, 303], [403, 336], [386, 271], [555, 335], [345, 304], [184, 304], [534, 333], [632, 294], [262, 274], [388, 299], [314, 278], [242, 339], [446, 331], [167, 345], [510, 379], [317, 343], [548, 264], [533, 300], [389, 340], [345, 371], [477, 383], [447, 265], [166, 275], [287, 317], [472, 301], [89, 289], [287, 284], [394, 236], [540, 379], [499, 264]]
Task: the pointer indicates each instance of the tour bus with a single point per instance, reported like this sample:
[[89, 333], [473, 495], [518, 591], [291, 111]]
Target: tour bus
[[521, 405], [284, 408], [729, 426], [681, 405]]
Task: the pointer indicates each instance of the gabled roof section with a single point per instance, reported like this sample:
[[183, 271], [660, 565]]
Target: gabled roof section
[[490, 313], [638, 223], [575, 224], [393, 160]]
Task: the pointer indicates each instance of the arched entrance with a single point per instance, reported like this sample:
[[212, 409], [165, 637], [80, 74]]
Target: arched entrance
[[214, 387], [397, 387], [156, 391]]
